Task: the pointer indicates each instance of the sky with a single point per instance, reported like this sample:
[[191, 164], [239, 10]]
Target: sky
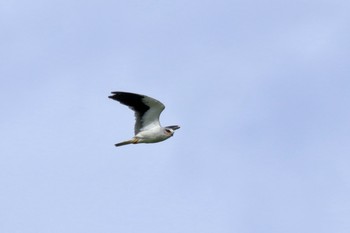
[[259, 88]]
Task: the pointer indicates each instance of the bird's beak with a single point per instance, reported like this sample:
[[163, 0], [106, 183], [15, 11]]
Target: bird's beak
[[173, 127]]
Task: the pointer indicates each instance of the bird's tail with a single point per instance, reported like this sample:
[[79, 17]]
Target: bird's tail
[[131, 141]]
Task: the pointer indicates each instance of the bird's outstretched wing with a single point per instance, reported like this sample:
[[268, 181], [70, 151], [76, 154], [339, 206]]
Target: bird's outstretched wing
[[147, 110]]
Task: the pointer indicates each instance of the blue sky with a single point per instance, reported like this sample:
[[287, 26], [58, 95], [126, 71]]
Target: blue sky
[[259, 88]]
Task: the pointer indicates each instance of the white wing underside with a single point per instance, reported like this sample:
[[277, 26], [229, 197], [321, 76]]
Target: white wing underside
[[150, 118]]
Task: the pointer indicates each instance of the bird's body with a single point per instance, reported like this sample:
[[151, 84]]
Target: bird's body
[[147, 111]]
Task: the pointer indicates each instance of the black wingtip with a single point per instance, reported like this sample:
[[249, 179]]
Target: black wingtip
[[115, 95], [134, 101]]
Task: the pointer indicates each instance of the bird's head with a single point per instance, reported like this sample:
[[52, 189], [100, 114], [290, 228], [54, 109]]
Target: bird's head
[[170, 130]]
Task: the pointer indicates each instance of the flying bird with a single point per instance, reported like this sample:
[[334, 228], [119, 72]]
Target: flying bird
[[147, 111]]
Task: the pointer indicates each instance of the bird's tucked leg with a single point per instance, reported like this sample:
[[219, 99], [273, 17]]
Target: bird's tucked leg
[[135, 140]]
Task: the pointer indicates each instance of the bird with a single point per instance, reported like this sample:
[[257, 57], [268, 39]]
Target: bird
[[147, 112]]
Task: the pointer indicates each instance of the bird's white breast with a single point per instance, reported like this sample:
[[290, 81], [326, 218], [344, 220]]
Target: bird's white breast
[[155, 134]]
